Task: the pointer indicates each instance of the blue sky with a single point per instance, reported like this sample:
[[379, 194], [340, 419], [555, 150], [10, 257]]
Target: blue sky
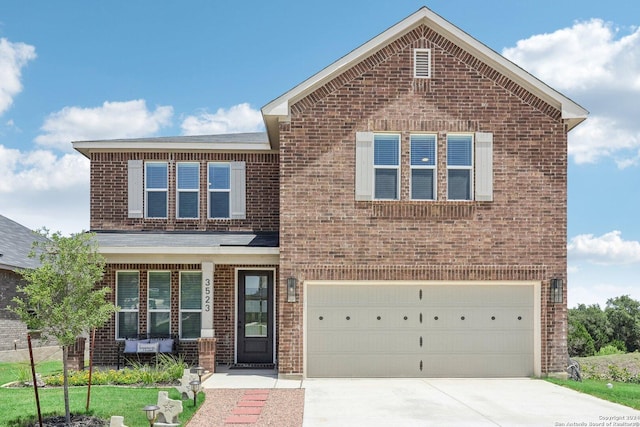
[[78, 70]]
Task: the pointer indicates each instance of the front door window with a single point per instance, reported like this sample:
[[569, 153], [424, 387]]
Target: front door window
[[256, 305], [255, 317]]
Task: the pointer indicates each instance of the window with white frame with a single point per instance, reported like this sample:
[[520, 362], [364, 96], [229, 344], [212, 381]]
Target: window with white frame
[[188, 190], [156, 189], [159, 303], [459, 166], [386, 166], [127, 298], [190, 304], [219, 190], [423, 167]]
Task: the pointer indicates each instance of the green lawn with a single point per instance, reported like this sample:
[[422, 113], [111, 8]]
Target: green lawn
[[623, 393], [19, 403]]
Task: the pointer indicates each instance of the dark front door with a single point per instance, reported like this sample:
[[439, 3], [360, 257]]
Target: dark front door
[[255, 317]]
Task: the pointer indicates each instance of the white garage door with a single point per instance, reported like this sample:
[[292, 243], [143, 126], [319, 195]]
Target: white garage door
[[386, 330]]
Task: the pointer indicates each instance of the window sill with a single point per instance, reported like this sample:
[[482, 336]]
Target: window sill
[[420, 209]]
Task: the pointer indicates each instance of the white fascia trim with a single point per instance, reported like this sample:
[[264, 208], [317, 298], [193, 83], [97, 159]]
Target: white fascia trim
[[85, 147], [214, 250], [570, 110]]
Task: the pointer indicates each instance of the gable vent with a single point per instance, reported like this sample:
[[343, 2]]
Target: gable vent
[[422, 63]]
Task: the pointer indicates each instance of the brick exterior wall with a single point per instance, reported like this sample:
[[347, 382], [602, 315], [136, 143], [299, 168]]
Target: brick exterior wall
[[326, 234], [13, 332], [109, 193], [106, 346]]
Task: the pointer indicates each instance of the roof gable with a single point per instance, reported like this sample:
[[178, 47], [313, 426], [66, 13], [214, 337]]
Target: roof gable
[[280, 108]]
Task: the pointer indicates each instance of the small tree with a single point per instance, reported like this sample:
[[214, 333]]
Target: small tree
[[60, 297]]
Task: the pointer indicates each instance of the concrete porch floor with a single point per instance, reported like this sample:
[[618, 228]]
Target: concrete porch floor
[[225, 377]]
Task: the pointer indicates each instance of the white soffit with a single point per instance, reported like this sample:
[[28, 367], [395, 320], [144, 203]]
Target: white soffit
[[571, 112]]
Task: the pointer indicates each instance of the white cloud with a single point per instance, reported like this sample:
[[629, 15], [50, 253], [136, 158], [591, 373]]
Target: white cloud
[[40, 170], [600, 137], [608, 249], [239, 118], [40, 189], [129, 119], [13, 57], [592, 65]]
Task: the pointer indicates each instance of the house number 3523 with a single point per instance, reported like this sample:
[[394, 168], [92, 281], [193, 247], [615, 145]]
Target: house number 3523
[[207, 295]]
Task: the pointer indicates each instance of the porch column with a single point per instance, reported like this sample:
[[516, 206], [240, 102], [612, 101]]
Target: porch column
[[207, 353], [207, 301], [75, 355]]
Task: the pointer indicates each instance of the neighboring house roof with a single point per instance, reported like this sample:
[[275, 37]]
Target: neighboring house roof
[[251, 141], [15, 244], [203, 243], [279, 109]]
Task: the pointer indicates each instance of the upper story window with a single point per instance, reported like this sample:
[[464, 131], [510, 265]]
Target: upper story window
[[149, 190], [159, 303], [127, 298], [469, 167], [386, 165], [156, 189], [190, 304], [219, 190], [423, 167], [188, 190], [459, 166]]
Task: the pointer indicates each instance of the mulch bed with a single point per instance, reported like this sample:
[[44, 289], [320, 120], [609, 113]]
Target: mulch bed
[[76, 421]]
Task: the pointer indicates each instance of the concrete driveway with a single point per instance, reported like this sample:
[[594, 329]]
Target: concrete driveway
[[455, 402]]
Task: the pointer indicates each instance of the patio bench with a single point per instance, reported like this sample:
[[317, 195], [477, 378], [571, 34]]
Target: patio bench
[[142, 345]]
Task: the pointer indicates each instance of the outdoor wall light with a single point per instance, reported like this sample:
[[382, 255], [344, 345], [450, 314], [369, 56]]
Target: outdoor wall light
[[556, 290], [195, 387], [291, 289], [151, 413]]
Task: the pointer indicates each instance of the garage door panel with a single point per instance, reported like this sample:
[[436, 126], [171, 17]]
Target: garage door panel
[[358, 295], [354, 343], [343, 366], [390, 330], [363, 317], [472, 365]]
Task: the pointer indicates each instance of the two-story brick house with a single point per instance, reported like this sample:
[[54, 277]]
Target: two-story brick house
[[404, 214]]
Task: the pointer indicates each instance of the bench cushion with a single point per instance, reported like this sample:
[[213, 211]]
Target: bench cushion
[[130, 346], [166, 346], [148, 347]]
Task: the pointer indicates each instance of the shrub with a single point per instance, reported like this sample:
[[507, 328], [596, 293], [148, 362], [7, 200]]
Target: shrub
[[609, 349], [166, 370]]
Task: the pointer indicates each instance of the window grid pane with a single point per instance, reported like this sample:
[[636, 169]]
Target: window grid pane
[[190, 325], [190, 304], [159, 297], [127, 290], [423, 164], [459, 184], [386, 150], [127, 324], [156, 204], [459, 150], [423, 150], [422, 184], [188, 204], [219, 176], [159, 323], [219, 205], [191, 291], [156, 176], [188, 176], [386, 163]]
